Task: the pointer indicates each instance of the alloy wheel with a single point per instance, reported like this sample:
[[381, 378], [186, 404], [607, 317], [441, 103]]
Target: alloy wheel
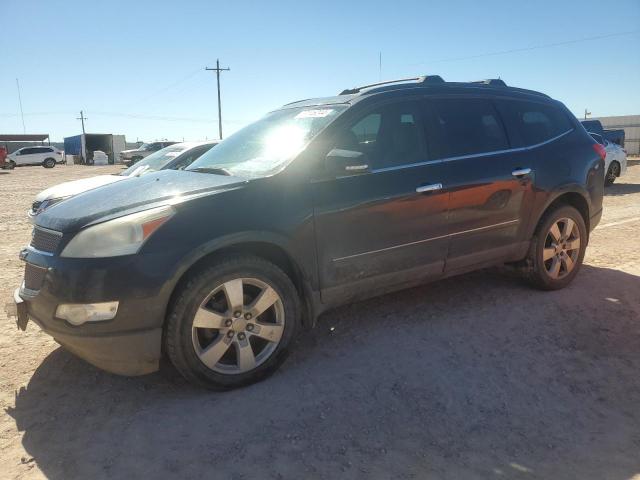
[[238, 326], [561, 248]]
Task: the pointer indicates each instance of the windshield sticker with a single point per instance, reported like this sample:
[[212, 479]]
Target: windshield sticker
[[314, 113]]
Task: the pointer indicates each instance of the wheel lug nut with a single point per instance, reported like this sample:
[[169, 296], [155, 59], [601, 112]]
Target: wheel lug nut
[[230, 333], [237, 314], [241, 336], [247, 316], [228, 323], [250, 327]]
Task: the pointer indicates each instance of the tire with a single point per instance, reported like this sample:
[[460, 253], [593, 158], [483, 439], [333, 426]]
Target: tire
[[12, 164], [188, 347], [612, 174], [542, 273], [49, 163]]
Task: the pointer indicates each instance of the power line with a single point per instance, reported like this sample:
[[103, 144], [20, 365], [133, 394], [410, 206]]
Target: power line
[[526, 49], [167, 88], [152, 117], [218, 70]]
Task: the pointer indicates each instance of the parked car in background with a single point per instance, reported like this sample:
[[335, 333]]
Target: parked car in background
[[129, 157], [45, 156], [322, 202], [616, 160], [176, 156]]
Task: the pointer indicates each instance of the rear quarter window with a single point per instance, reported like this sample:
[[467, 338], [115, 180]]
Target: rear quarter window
[[530, 123], [465, 126]]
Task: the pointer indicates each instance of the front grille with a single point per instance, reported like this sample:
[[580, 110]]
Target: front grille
[[34, 276], [45, 240]]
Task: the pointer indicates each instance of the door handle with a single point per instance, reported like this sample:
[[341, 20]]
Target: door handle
[[429, 188], [521, 172]]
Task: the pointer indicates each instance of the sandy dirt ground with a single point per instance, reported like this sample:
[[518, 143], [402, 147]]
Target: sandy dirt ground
[[472, 377]]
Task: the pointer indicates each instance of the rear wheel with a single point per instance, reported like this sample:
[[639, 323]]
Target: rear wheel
[[612, 173], [49, 163], [558, 248], [232, 324]]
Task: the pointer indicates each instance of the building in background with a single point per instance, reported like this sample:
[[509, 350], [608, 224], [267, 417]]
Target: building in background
[[631, 126], [80, 148]]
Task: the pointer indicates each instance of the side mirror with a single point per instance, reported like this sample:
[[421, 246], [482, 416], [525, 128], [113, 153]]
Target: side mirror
[[342, 163]]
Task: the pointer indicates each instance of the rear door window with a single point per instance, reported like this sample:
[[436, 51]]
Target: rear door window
[[465, 126], [530, 123]]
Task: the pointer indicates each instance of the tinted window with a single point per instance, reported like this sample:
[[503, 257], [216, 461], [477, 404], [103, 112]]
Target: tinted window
[[391, 135], [28, 151], [530, 123], [466, 127]]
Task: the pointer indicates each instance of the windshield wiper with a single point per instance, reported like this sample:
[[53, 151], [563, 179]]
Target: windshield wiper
[[213, 170]]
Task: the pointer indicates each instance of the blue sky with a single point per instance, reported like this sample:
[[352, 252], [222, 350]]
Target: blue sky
[[137, 68]]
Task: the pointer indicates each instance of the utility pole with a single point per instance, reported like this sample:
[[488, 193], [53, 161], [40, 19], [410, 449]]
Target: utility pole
[[83, 118], [218, 70], [586, 113], [24, 129]]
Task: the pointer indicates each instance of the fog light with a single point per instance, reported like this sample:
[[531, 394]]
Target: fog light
[[77, 314]]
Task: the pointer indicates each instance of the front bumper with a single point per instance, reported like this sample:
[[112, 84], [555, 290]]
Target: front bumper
[[130, 353], [128, 344]]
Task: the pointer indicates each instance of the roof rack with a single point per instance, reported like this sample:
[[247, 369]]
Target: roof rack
[[496, 82], [425, 80]]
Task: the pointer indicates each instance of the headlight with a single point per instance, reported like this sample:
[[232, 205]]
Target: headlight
[[121, 236]]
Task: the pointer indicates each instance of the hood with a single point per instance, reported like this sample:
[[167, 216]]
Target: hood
[[131, 150], [134, 195], [69, 189]]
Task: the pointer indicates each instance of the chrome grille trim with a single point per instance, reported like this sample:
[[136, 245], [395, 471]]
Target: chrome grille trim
[[45, 240]]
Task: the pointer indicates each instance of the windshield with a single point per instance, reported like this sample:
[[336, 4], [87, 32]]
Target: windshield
[[265, 146], [144, 146], [156, 161]]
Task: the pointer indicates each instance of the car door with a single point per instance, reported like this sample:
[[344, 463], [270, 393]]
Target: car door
[[382, 224], [490, 185], [26, 156], [39, 154]]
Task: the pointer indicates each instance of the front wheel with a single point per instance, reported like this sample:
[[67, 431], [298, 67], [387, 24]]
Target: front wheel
[[12, 164], [49, 163], [558, 248], [233, 323]]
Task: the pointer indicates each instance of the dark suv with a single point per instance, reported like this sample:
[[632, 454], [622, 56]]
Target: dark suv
[[319, 203]]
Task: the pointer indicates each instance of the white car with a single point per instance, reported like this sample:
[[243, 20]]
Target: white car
[[174, 157], [615, 163], [45, 156]]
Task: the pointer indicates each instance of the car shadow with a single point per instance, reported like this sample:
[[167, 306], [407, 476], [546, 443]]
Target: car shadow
[[622, 189], [473, 376]]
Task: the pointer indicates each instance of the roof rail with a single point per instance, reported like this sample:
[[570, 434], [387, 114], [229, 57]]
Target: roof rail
[[496, 82], [426, 80]]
